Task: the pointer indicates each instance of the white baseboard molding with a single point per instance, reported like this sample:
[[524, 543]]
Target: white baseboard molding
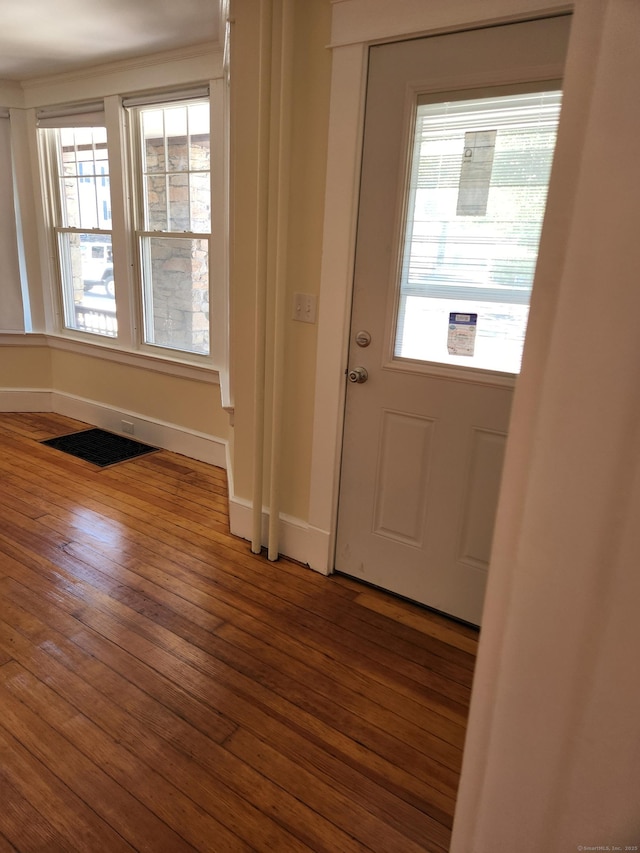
[[195, 445], [298, 540]]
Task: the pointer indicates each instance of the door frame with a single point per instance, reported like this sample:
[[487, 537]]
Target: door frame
[[356, 25]]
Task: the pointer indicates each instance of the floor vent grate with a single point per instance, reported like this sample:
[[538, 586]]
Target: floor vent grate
[[99, 447]]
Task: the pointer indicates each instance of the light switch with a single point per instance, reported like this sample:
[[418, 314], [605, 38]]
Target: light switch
[[304, 307]]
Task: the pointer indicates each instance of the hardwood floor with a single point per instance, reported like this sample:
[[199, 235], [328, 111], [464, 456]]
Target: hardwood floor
[[163, 689]]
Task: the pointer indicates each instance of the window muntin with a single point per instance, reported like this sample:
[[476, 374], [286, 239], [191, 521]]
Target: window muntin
[[174, 224], [83, 228]]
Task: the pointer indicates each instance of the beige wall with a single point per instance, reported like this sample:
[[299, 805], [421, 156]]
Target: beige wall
[[310, 106], [312, 69], [243, 228], [25, 367], [183, 402], [190, 404]]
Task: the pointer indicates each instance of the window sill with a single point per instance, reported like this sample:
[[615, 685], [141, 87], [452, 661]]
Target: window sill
[[144, 360]]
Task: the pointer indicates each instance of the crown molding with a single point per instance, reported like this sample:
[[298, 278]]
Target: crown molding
[[130, 64], [374, 21], [196, 62]]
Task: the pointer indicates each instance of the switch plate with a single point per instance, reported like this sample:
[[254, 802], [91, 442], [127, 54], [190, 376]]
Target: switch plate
[[304, 307]]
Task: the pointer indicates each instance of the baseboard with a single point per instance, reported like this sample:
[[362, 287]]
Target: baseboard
[[195, 445], [298, 540], [25, 400]]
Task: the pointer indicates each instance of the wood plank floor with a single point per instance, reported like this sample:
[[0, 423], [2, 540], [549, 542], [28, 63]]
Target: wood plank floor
[[163, 689]]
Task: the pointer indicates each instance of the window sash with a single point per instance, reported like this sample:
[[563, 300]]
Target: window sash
[[80, 216], [175, 277], [175, 169], [178, 181], [83, 271]]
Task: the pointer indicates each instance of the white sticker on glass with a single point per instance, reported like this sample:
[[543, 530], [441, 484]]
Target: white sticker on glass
[[461, 338]]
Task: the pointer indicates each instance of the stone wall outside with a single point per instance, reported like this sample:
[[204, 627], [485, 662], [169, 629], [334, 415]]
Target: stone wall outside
[[179, 266]]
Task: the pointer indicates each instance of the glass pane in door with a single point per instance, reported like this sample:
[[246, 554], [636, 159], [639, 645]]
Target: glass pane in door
[[477, 194]]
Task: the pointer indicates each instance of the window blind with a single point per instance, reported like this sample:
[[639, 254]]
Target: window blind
[[72, 115], [167, 97], [479, 173], [477, 196]]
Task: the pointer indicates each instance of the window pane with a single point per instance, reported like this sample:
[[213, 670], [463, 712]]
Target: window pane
[[156, 202], [176, 293], [200, 149], [177, 132], [153, 141], [85, 194], [479, 177], [200, 201], [179, 219], [176, 168], [87, 283]]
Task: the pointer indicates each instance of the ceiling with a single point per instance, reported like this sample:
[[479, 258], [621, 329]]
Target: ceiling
[[41, 37]]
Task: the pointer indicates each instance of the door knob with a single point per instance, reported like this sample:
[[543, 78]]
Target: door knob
[[358, 374]]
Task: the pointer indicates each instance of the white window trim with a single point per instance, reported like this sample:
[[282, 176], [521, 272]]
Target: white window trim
[[219, 259], [135, 358], [128, 348]]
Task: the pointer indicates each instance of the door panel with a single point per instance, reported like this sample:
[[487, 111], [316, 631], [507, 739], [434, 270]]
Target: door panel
[[481, 497], [424, 442], [402, 477]]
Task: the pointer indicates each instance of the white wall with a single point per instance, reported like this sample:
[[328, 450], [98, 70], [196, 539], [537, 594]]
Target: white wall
[[552, 759]]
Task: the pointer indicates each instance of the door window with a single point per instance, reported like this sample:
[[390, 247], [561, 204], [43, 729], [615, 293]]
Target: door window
[[477, 191]]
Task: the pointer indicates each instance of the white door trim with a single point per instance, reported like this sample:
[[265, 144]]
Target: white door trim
[[355, 25], [369, 21]]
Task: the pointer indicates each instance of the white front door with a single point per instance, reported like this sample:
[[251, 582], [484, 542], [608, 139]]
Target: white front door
[[458, 143]]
